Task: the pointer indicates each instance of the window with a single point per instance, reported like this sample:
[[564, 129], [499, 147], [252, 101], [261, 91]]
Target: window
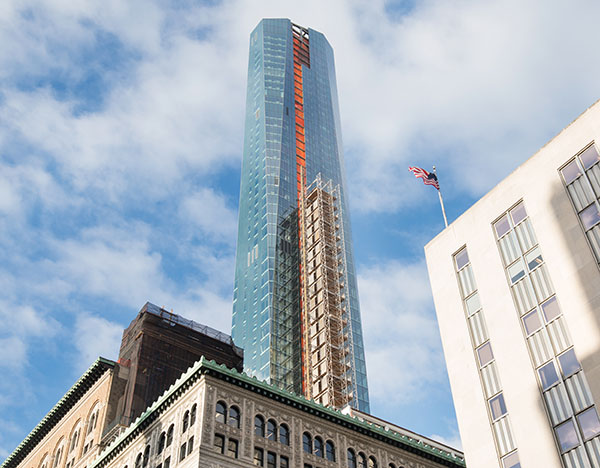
[[138, 461], [571, 172], [497, 406], [182, 451], [462, 258], [473, 303], [318, 447], [271, 460], [362, 460], [330, 451], [516, 271], [590, 216], [232, 448], [569, 363], [259, 426], [548, 375], [284, 462], [259, 457], [220, 443], [372, 462], [518, 213], [162, 440], [512, 461], [146, 456], [167, 463], [190, 445], [502, 226], [485, 355], [532, 322], [567, 436], [221, 412], [351, 459], [284, 434], [170, 435], [589, 156], [271, 430], [307, 442], [234, 417], [534, 259], [193, 414], [57, 457], [186, 421], [74, 439], [589, 423], [550, 309]]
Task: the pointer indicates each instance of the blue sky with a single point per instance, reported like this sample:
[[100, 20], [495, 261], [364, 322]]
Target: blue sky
[[121, 127]]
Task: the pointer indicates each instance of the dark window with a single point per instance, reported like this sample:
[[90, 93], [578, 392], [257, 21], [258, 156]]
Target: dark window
[[548, 375], [190, 445], [221, 412], [162, 440], [220, 443], [362, 460], [193, 415], [372, 462], [146, 456], [186, 421], [392, 465], [182, 451], [497, 406], [330, 451], [167, 462], [307, 442], [259, 426], [567, 436], [284, 434], [271, 430], [259, 457], [284, 462], [318, 447], [232, 448], [351, 459], [271, 460], [589, 423], [138, 461], [234, 417], [170, 435], [569, 363]]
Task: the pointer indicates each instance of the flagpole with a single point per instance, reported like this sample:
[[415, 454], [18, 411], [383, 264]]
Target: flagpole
[[441, 200]]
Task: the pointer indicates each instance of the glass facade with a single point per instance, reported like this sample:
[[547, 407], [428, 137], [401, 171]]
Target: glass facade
[[292, 135]]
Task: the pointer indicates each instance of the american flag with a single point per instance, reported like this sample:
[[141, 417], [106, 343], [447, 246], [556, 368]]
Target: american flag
[[429, 178]]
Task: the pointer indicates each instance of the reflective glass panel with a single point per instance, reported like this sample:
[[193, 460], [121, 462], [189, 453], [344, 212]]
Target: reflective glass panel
[[589, 423], [589, 157], [532, 322], [512, 461], [551, 309], [567, 437], [569, 363], [518, 213], [516, 271], [484, 353], [571, 171], [462, 258], [473, 304], [534, 259], [502, 226], [497, 406], [589, 216], [548, 375]]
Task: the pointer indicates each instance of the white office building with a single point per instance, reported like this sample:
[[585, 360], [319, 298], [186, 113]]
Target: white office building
[[516, 286]]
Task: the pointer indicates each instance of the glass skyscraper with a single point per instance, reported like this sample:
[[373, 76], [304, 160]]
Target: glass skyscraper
[[292, 138]]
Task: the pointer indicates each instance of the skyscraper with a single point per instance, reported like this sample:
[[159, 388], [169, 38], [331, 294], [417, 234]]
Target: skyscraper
[[516, 285], [296, 310]]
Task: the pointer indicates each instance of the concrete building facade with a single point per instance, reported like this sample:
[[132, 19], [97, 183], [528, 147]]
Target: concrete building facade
[[516, 286]]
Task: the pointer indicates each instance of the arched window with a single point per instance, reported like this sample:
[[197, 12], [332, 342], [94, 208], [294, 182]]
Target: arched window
[[362, 460], [392, 465], [186, 421], [271, 430], [92, 422], [58, 456], [44, 463], [319, 447], [330, 451], [351, 458], [259, 425], [193, 414], [138, 460], [162, 440], [234, 417], [372, 462], [284, 434], [146, 456], [170, 435], [307, 443], [221, 412], [74, 440]]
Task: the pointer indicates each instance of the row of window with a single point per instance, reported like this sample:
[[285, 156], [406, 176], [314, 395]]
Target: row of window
[[316, 447]]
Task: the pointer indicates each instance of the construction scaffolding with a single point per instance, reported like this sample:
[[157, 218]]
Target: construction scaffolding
[[327, 342]]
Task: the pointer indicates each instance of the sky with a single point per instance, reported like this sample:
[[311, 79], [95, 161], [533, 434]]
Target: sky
[[121, 132]]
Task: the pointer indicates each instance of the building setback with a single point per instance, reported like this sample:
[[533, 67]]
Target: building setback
[[516, 285], [293, 137]]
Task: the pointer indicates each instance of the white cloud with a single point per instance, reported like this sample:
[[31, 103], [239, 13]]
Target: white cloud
[[208, 210], [398, 320], [94, 337]]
